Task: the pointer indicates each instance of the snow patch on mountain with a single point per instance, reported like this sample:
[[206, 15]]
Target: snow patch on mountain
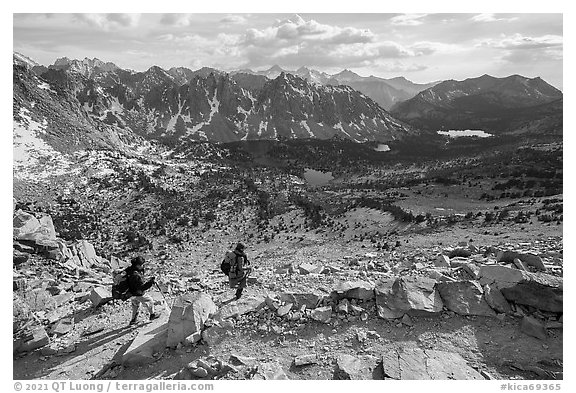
[[34, 159]]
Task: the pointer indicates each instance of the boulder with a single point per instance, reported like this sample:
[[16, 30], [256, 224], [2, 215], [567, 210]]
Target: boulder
[[87, 254], [299, 299], [538, 290], [285, 309], [37, 339], [496, 300], [270, 371], [406, 320], [418, 364], [244, 305], [19, 257], [437, 275], [465, 298], [359, 289], [442, 261], [62, 327], [321, 314], [528, 258], [343, 306], [24, 224], [307, 268], [151, 339], [189, 313], [533, 327], [357, 368], [519, 264], [217, 333], [27, 227], [460, 252], [99, 296], [303, 360], [415, 295], [472, 270]]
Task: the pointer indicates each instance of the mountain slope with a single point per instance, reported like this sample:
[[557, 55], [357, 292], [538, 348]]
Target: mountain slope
[[169, 107], [477, 103]]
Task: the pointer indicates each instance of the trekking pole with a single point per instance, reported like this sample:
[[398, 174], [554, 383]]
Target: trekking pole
[[163, 297]]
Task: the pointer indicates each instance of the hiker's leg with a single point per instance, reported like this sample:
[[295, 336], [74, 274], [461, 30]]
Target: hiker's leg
[[148, 303], [241, 286], [135, 305]]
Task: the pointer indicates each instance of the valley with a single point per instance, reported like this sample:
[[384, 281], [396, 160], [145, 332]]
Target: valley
[[381, 249]]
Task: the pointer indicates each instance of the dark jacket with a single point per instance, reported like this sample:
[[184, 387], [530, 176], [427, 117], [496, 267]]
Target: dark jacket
[[136, 284], [241, 268]]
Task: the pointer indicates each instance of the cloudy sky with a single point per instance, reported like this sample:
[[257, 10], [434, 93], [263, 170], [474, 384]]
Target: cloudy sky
[[421, 47]]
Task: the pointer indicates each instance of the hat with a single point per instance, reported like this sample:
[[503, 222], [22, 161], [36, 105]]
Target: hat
[[139, 260], [240, 247]]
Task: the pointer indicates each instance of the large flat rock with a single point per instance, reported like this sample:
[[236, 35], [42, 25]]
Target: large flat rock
[[419, 364], [151, 338], [242, 306], [189, 312], [540, 290], [415, 295], [465, 298]]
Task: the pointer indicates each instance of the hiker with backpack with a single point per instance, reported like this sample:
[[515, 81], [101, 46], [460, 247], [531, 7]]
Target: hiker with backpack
[[237, 266], [137, 288]]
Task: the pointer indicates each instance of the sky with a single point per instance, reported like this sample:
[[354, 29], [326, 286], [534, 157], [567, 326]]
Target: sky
[[421, 47]]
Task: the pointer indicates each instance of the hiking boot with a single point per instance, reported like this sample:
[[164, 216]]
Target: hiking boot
[[154, 316]]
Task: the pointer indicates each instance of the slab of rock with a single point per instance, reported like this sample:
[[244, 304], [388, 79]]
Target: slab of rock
[[418, 364], [307, 268], [299, 299], [539, 290], [343, 306], [270, 371], [99, 295], [244, 305], [415, 295], [189, 312], [361, 290], [283, 310], [533, 327], [19, 257], [496, 300], [528, 258], [62, 327], [28, 227], [465, 298], [151, 338], [442, 261], [321, 314], [357, 368], [38, 339], [303, 360], [460, 252]]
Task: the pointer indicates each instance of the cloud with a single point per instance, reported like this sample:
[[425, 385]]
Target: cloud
[[408, 19], [519, 41], [233, 20], [176, 20], [109, 21], [297, 29], [491, 18], [397, 66], [296, 42]]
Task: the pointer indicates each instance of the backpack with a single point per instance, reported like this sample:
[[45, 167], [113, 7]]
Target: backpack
[[230, 262], [120, 287]]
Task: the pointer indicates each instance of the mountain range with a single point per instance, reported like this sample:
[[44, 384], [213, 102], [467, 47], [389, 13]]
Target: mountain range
[[486, 103], [82, 102]]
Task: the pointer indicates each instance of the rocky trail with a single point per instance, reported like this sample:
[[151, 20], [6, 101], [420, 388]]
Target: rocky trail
[[434, 307]]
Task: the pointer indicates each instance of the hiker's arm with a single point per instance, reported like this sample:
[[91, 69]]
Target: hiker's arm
[[148, 284]]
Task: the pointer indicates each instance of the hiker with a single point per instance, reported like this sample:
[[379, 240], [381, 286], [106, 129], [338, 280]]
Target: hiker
[[137, 287], [239, 269]]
